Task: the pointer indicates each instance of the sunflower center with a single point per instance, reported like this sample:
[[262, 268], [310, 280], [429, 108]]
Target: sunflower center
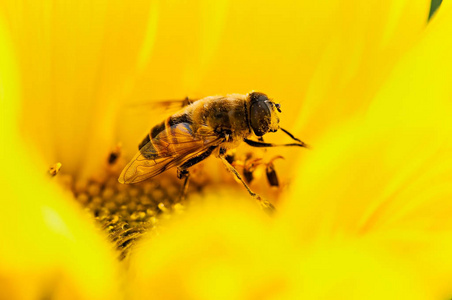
[[125, 212]]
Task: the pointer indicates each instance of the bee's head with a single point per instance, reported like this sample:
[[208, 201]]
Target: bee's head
[[262, 113]]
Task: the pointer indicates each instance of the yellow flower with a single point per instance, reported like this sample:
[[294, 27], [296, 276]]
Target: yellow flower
[[366, 215]]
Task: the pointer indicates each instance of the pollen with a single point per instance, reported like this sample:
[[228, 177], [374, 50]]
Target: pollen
[[125, 212]]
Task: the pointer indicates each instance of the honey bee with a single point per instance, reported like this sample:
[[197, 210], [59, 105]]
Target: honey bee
[[212, 125]]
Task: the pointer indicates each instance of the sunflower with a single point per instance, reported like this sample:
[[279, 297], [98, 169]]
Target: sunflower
[[364, 214]]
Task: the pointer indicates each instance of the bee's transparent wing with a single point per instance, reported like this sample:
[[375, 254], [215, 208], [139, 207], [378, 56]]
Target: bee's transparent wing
[[137, 117], [160, 108], [170, 148], [174, 104]]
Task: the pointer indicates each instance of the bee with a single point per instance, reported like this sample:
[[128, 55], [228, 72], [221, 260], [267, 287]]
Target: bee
[[209, 126]]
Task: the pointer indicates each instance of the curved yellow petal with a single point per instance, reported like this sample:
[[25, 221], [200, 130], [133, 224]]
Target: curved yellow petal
[[225, 249], [390, 185], [48, 248], [420, 83], [404, 139], [357, 174], [355, 270], [417, 226], [365, 42], [77, 61], [417, 100], [386, 178]]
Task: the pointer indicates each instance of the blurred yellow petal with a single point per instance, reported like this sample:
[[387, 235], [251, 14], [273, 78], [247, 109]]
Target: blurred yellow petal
[[48, 248], [364, 44], [77, 62], [417, 99], [386, 178], [419, 92], [357, 174], [422, 78], [404, 140], [355, 270], [388, 185], [226, 249], [223, 249]]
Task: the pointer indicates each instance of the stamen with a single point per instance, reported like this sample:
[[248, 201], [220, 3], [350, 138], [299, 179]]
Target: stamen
[[55, 169]]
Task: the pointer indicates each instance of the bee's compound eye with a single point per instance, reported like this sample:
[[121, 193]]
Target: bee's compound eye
[[260, 117], [257, 97]]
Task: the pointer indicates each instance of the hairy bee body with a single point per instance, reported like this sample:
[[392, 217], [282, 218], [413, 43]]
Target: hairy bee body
[[225, 115], [208, 126]]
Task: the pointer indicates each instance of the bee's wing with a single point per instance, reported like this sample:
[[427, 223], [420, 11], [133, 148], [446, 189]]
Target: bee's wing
[[138, 116], [170, 148], [160, 108], [172, 104]]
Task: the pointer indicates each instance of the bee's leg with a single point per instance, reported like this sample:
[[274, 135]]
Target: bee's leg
[[181, 173], [265, 204], [230, 157], [291, 135], [237, 175], [266, 145]]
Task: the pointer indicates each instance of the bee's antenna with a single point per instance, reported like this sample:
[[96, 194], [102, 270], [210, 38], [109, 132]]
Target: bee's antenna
[[303, 144]]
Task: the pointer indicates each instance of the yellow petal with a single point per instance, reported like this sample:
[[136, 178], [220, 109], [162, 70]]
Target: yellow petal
[[77, 61], [365, 42], [354, 270], [419, 92], [389, 185], [403, 142], [423, 253], [355, 175], [225, 249], [49, 249], [387, 178], [421, 80]]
